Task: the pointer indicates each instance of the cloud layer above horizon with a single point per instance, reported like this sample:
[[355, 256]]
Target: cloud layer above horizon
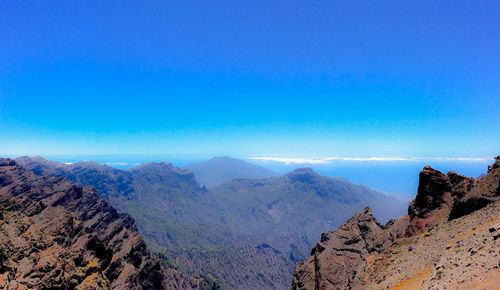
[[329, 160]]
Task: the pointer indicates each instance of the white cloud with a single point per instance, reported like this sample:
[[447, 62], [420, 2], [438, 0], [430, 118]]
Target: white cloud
[[327, 160], [116, 163], [287, 160]]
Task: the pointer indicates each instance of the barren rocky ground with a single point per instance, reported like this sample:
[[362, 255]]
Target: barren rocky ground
[[461, 254]]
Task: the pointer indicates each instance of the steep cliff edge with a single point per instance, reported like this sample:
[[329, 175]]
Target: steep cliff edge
[[55, 235], [448, 240]]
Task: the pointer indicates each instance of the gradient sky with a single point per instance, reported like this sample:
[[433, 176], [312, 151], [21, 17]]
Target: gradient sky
[[250, 78]]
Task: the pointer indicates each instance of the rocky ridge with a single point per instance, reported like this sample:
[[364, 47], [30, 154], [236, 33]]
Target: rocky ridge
[[448, 240], [55, 235]]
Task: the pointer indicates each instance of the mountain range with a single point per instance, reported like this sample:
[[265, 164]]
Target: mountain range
[[59, 229], [243, 233]]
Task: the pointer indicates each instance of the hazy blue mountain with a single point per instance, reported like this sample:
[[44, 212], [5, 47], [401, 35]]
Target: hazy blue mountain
[[222, 169], [246, 233], [287, 211]]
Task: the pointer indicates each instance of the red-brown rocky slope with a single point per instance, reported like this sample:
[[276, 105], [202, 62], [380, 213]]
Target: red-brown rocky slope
[[448, 240], [55, 235]]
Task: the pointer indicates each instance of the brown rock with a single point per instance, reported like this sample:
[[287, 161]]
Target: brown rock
[[57, 235], [433, 202], [341, 259]]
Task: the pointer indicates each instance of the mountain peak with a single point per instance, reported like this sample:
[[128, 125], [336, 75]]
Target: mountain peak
[[220, 169], [305, 174], [224, 158], [88, 164], [360, 236], [154, 165], [7, 162], [364, 214], [496, 164], [306, 170], [161, 167]]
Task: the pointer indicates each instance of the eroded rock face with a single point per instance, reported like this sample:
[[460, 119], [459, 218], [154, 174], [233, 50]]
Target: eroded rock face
[[449, 196], [55, 235], [361, 254], [341, 258], [495, 164], [433, 201]]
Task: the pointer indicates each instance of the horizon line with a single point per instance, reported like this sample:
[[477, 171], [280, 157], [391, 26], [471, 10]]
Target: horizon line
[[328, 160]]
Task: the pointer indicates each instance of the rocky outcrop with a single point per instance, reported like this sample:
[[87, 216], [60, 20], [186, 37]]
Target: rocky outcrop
[[409, 252], [341, 259], [55, 235], [449, 196], [433, 201]]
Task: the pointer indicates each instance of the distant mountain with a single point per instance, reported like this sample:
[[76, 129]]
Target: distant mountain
[[448, 240], [108, 181], [245, 233], [55, 235], [221, 169], [289, 211]]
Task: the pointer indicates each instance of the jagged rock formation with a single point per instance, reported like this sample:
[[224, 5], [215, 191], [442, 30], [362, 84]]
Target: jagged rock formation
[[449, 196], [55, 235], [342, 258], [448, 240]]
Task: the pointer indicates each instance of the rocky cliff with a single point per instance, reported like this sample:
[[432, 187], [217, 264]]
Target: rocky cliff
[[448, 240], [55, 235]]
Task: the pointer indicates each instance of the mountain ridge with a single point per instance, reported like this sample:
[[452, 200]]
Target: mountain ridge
[[57, 235]]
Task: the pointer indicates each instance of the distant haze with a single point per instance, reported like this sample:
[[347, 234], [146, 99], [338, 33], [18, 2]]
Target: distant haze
[[396, 178], [221, 169]]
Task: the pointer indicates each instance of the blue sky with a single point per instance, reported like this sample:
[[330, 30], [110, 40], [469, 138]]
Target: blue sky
[[250, 78]]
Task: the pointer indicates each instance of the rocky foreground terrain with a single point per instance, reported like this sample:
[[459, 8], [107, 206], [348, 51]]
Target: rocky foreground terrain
[[55, 235], [448, 240]]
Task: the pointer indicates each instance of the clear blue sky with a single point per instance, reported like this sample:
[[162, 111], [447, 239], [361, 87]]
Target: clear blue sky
[[250, 78]]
